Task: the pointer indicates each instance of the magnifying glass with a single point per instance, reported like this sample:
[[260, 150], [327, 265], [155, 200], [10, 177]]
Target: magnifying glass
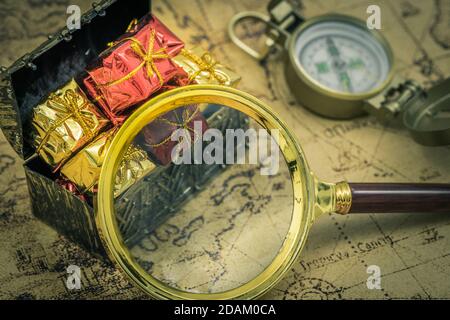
[[249, 198]]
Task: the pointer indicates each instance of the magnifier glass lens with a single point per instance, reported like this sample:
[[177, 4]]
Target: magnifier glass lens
[[214, 208]]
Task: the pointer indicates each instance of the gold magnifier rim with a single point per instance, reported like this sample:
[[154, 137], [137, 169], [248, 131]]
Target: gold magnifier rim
[[302, 184]]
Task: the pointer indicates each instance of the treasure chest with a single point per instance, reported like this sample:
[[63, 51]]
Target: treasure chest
[[63, 57]]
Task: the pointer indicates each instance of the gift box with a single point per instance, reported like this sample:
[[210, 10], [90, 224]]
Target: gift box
[[156, 137], [84, 168], [63, 123], [63, 57], [202, 68], [136, 66]]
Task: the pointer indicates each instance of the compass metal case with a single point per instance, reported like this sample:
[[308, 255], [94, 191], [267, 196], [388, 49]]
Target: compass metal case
[[323, 99], [427, 116]]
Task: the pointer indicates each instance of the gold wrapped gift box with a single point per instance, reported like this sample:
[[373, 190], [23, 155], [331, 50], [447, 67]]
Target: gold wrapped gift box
[[202, 68], [64, 123], [84, 168]]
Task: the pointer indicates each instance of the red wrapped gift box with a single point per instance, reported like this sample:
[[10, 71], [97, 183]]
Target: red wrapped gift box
[[134, 68], [155, 138]]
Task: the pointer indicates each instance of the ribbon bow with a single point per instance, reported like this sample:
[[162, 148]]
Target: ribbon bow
[[133, 154], [180, 124], [73, 103], [206, 64], [148, 57]]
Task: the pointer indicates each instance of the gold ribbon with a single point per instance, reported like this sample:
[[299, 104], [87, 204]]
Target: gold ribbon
[[136, 155], [130, 27], [148, 57], [70, 102], [134, 166], [206, 64], [182, 124]]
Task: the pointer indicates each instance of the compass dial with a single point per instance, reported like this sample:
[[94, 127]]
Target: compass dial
[[342, 56]]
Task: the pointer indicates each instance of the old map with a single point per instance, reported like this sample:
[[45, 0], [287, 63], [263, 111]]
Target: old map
[[412, 251]]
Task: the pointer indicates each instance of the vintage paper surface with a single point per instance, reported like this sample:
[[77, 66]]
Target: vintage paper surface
[[411, 250]]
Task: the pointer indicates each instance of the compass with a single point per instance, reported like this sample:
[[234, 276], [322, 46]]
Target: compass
[[337, 67], [339, 62]]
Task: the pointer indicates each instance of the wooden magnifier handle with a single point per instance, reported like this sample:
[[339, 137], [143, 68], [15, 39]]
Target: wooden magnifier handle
[[399, 197]]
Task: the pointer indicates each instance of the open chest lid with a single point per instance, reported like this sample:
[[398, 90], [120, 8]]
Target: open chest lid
[[63, 56]]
